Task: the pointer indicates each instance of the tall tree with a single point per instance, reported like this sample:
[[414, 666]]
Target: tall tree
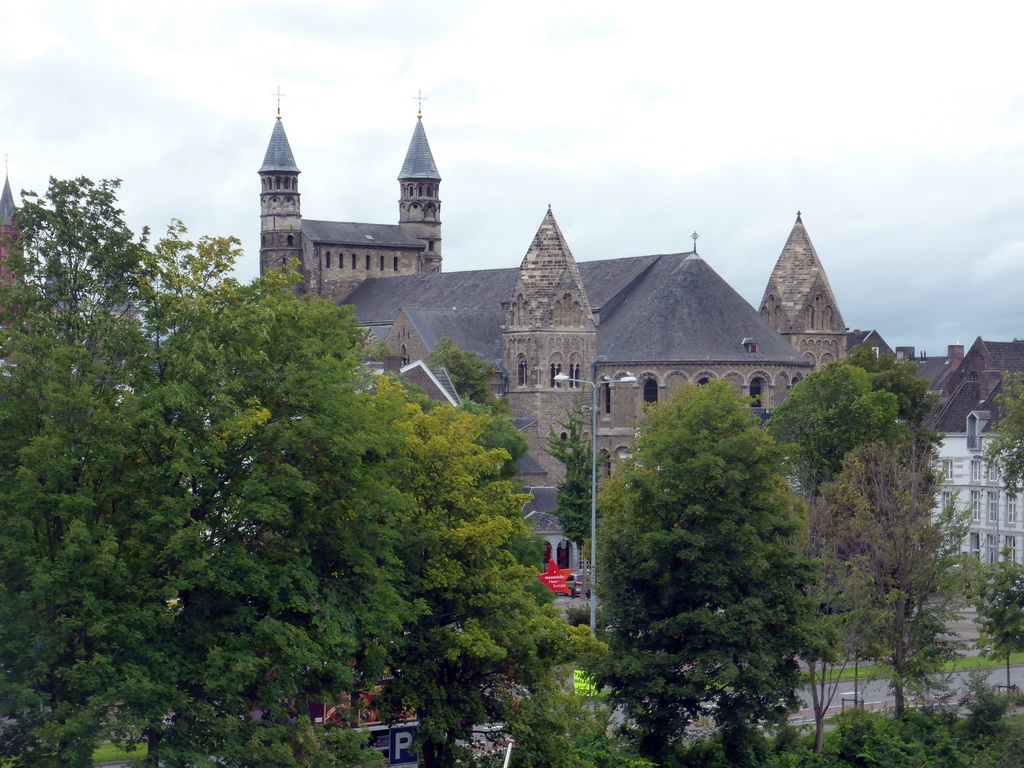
[[573, 492], [885, 498], [1005, 448], [481, 645], [913, 399], [702, 579], [185, 535], [830, 413], [1000, 608]]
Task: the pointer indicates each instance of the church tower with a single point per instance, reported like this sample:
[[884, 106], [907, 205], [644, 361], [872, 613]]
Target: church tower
[[799, 302], [8, 228], [280, 215], [419, 205], [549, 330]]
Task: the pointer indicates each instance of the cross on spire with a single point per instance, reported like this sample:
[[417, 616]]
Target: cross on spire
[[695, 236], [420, 98], [279, 95]]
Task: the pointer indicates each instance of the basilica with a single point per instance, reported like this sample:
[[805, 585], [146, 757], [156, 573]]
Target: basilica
[[658, 320]]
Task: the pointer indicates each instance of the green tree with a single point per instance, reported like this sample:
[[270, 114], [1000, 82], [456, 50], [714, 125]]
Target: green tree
[[573, 492], [482, 646], [1005, 448], [1000, 606], [470, 375], [701, 578], [830, 413], [185, 535], [884, 501], [900, 377]]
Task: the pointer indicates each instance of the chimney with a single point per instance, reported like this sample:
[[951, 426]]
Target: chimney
[[392, 364], [955, 355]]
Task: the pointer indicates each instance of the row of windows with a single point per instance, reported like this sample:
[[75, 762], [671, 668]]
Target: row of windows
[[421, 190], [993, 552], [340, 261], [280, 182], [986, 505], [980, 470]]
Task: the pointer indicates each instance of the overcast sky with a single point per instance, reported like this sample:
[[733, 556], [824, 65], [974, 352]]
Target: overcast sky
[[897, 128]]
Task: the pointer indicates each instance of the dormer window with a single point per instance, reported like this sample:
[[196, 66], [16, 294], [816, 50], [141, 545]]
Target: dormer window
[[750, 345]]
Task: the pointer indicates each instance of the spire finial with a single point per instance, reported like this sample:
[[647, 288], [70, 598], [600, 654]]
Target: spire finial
[[420, 98], [695, 237], [279, 95], [800, 220]]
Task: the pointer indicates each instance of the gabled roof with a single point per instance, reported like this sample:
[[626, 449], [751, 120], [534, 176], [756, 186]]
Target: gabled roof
[[698, 314], [6, 205], [797, 277], [380, 299], [279, 152], [419, 161], [474, 330], [1003, 355], [359, 235], [952, 417], [871, 338]]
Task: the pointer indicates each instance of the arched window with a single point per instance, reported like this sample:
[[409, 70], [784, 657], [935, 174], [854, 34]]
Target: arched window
[[327, 260], [353, 261], [382, 262], [547, 552], [650, 391], [367, 262], [608, 400], [405, 355], [703, 381], [756, 389], [290, 242], [522, 371], [395, 269], [555, 370]]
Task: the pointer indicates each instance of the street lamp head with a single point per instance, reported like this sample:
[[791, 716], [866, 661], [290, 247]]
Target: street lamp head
[[624, 378], [561, 377]]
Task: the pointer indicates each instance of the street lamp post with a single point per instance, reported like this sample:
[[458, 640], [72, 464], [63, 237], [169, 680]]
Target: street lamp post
[[594, 385]]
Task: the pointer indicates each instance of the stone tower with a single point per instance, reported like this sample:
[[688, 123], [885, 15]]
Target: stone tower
[[8, 228], [419, 205], [549, 330], [799, 302], [280, 214]]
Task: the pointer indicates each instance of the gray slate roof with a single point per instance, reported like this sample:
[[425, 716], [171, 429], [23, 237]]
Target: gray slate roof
[[708, 320], [477, 331], [279, 152], [380, 299], [699, 317], [419, 161], [6, 205], [359, 235]]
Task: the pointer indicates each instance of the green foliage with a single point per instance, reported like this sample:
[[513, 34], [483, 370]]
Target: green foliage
[[481, 643], [830, 413], [499, 433], [470, 375], [1000, 606], [899, 377], [1005, 448], [185, 535], [573, 493], [701, 580]]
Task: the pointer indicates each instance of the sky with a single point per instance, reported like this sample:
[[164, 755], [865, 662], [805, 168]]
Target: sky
[[896, 128]]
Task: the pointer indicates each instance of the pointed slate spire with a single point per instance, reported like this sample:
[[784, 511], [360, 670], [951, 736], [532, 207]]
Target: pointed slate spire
[[798, 297], [279, 152], [419, 161], [6, 205]]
